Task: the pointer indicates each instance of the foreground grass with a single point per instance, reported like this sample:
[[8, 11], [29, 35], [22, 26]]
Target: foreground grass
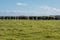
[[29, 30]]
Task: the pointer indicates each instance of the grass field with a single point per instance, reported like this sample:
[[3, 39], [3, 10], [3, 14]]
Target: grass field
[[29, 29]]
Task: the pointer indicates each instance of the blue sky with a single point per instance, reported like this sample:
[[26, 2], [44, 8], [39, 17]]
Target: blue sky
[[29, 7]]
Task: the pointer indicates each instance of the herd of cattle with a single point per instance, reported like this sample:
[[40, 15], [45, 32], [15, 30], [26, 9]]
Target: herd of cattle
[[31, 17]]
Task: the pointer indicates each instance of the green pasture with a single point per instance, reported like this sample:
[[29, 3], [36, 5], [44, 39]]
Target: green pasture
[[29, 29]]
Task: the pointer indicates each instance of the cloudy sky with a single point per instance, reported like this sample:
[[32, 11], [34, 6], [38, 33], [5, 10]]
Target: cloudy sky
[[29, 7]]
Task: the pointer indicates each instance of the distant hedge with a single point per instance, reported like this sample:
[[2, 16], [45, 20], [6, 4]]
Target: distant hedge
[[31, 17]]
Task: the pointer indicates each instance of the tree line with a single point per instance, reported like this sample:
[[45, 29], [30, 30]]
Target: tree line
[[30, 17]]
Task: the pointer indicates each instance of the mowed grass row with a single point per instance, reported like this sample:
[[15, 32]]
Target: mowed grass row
[[29, 29]]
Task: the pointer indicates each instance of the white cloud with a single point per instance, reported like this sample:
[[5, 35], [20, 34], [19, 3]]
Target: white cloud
[[38, 11], [21, 4], [50, 10]]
